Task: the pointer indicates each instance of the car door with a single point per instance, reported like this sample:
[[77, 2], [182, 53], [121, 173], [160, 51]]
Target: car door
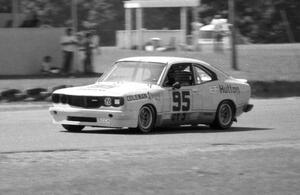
[[205, 89], [178, 101]]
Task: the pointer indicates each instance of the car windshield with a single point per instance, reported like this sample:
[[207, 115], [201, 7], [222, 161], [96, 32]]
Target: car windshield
[[143, 72]]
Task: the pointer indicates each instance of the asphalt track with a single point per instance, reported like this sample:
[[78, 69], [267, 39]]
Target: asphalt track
[[260, 154]]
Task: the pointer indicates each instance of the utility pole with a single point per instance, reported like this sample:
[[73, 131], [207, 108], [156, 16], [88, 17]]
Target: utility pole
[[15, 11], [74, 15], [289, 31], [231, 10]]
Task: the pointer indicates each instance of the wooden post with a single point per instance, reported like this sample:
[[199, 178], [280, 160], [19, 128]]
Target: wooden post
[[128, 27], [139, 27], [231, 6], [74, 15], [183, 24], [15, 12], [195, 29], [287, 25]]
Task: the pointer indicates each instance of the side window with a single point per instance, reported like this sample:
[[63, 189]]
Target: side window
[[181, 73], [201, 75]]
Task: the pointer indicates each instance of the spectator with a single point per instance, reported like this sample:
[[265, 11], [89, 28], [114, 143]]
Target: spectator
[[81, 49], [218, 22], [96, 42], [46, 64], [69, 43], [47, 67], [88, 48]]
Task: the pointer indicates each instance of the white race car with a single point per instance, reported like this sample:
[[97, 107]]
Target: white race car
[[149, 92]]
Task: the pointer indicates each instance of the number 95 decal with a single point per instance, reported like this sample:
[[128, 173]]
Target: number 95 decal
[[181, 101]]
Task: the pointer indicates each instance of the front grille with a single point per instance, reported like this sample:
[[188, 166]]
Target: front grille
[[88, 101], [85, 101], [82, 119], [93, 102]]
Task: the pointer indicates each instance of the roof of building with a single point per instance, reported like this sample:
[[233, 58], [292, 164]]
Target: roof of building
[[160, 3]]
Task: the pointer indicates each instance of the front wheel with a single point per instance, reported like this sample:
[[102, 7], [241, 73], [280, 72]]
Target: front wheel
[[73, 128], [224, 116], [146, 119]]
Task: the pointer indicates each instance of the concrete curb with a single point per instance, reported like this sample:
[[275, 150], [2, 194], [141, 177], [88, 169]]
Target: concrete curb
[[22, 105]]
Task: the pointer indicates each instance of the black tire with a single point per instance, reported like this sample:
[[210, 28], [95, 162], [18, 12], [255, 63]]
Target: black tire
[[73, 128], [224, 116], [146, 119]]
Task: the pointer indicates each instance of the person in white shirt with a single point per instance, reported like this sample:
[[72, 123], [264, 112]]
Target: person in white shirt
[[69, 46], [96, 43]]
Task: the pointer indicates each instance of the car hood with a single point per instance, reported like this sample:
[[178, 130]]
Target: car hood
[[108, 89]]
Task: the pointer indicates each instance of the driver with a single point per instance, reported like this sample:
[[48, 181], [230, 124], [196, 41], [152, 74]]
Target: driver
[[170, 79]]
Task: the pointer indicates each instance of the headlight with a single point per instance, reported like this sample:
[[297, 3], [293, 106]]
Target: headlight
[[113, 101], [55, 98], [118, 101], [64, 99]]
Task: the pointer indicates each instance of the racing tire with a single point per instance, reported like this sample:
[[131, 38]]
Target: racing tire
[[73, 128], [146, 119], [224, 116]]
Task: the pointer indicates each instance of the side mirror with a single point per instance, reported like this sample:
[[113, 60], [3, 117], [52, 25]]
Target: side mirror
[[176, 85]]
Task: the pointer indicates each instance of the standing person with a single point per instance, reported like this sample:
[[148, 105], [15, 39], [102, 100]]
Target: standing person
[[69, 43], [96, 42], [88, 48], [218, 22], [81, 50]]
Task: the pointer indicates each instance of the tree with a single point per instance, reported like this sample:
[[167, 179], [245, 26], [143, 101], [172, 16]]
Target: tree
[[94, 12], [260, 21], [5, 6]]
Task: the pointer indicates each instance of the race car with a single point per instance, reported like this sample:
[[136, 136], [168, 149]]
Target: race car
[[148, 92]]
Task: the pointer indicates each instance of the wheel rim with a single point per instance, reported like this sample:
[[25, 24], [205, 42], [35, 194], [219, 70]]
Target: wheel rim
[[225, 114], [145, 118]]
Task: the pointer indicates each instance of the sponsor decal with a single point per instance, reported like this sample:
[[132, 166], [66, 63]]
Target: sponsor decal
[[137, 97], [213, 89], [178, 117], [228, 89], [181, 101]]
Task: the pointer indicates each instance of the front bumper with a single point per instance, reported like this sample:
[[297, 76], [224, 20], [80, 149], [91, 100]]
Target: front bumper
[[93, 117]]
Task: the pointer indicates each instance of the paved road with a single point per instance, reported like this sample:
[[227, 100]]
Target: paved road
[[259, 155]]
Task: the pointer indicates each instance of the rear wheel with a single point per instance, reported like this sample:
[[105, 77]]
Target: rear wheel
[[146, 119], [224, 116], [73, 128]]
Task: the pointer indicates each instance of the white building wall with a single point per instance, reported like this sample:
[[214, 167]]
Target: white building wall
[[22, 49]]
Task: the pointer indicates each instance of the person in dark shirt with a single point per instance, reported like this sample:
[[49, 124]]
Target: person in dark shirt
[[88, 49]]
